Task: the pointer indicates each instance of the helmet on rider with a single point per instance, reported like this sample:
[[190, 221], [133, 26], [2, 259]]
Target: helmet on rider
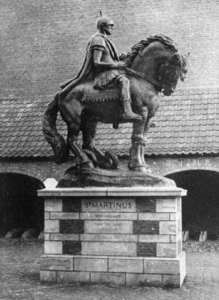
[[104, 20]]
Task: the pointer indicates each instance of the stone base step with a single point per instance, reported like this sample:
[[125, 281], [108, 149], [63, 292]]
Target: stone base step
[[157, 272]]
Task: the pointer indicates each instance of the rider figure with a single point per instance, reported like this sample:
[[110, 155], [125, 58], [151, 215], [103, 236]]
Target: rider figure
[[102, 60], [108, 66]]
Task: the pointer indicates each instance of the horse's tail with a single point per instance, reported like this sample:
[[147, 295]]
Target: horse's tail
[[56, 141]]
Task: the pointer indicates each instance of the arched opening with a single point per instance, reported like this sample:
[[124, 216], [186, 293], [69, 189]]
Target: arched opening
[[200, 208], [20, 207]]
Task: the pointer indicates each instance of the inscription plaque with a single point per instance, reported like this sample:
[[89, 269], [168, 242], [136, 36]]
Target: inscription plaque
[[109, 237], [109, 205], [125, 227], [108, 216]]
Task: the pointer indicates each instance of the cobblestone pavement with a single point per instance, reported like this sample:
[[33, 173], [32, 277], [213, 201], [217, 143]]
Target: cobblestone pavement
[[19, 278]]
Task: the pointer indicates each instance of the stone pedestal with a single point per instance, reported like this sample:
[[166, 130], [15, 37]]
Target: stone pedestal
[[124, 236]]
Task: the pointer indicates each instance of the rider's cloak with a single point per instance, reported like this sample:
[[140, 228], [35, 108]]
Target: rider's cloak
[[88, 70]]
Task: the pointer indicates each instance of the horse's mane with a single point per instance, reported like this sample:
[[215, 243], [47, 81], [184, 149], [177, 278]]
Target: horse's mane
[[167, 41]]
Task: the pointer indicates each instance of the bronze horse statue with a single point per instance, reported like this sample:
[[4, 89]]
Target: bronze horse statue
[[153, 66]]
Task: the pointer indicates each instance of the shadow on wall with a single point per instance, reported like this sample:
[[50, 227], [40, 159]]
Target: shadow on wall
[[200, 208], [20, 207]]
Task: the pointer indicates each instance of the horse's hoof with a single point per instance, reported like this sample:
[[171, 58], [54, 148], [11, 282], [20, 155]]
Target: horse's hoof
[[87, 165], [139, 168]]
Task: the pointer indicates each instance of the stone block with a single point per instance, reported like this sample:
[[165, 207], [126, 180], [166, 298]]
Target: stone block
[[145, 227], [182, 264], [124, 227], [90, 264], [51, 226], [48, 276], [108, 216], [166, 205], [176, 238], [70, 277], [179, 225], [167, 250], [146, 204], [182, 274], [154, 216], [154, 238], [72, 247], [109, 237], [179, 204], [52, 247], [109, 248], [46, 216], [146, 249], [71, 226], [72, 204], [161, 266], [56, 263], [125, 265], [46, 237], [179, 244], [109, 205], [53, 204], [110, 278], [144, 280], [172, 281], [168, 227], [64, 215], [64, 237], [175, 216]]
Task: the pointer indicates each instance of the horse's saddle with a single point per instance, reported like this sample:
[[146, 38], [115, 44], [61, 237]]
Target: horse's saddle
[[91, 94]]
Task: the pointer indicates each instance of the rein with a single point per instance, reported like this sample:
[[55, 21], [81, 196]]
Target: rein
[[143, 76]]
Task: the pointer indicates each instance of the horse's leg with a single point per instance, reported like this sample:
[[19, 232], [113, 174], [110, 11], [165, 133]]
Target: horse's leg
[[107, 160], [136, 161], [88, 129], [88, 133], [73, 132], [148, 125], [71, 111]]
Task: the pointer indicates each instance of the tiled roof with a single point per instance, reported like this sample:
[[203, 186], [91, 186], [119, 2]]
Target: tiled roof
[[186, 123], [21, 129]]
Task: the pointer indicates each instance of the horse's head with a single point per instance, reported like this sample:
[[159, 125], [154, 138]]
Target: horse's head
[[169, 73], [158, 59]]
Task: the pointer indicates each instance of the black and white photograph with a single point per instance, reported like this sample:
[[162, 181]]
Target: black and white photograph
[[109, 149]]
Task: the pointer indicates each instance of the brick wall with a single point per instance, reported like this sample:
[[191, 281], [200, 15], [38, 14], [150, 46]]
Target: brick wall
[[43, 41], [43, 169]]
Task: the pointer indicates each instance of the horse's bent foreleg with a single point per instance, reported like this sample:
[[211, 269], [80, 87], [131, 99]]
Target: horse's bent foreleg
[[88, 134], [109, 160], [71, 111], [73, 132]]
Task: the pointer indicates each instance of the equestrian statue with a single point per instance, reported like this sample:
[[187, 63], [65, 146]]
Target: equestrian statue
[[113, 89]]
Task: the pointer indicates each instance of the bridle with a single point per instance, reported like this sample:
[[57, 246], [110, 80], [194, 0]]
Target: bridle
[[148, 78], [144, 76]]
